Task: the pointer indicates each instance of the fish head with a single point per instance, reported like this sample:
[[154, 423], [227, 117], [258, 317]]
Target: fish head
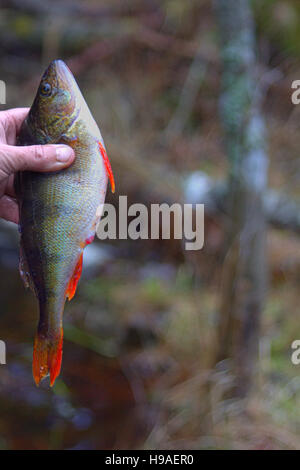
[[56, 103]]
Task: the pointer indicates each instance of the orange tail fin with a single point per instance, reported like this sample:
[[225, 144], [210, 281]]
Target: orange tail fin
[[47, 356]]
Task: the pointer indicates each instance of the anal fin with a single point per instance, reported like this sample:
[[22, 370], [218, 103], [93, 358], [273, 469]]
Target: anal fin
[[71, 289]]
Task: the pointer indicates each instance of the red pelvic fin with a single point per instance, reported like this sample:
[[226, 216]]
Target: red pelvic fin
[[107, 166], [71, 289], [47, 356]]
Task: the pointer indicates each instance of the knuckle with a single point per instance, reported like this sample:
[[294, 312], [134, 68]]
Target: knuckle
[[4, 160], [7, 119], [39, 153]]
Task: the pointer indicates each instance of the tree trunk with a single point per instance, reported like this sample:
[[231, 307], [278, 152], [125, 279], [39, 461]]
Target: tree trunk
[[244, 271]]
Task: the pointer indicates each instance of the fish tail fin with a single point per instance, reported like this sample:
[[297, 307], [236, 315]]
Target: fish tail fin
[[47, 356]]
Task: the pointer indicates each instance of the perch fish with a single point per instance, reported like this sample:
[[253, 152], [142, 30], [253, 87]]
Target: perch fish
[[59, 211]]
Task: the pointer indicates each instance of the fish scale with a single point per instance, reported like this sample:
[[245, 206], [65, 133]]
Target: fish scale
[[58, 211]]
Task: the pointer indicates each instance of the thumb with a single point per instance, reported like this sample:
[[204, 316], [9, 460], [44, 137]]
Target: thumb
[[35, 158]]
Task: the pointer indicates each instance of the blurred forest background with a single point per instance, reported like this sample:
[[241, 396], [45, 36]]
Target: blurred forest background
[[167, 348]]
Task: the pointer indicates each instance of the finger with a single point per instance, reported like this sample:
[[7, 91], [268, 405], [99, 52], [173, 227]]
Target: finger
[[11, 121], [10, 187], [34, 158], [9, 209]]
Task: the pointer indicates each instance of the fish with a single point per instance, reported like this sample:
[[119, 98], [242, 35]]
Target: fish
[[58, 211]]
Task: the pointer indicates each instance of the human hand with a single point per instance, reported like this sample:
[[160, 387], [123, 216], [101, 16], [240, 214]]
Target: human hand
[[14, 158]]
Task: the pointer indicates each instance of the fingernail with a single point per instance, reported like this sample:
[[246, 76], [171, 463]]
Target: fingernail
[[63, 153]]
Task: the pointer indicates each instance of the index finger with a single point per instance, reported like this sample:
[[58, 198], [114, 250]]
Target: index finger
[[11, 120]]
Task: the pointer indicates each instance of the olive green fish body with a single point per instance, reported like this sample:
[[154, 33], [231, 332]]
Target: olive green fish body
[[58, 214]]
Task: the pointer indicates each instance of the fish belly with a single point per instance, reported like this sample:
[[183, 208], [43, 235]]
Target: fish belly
[[58, 216]]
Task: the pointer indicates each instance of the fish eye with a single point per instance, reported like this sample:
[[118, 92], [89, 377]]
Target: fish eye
[[46, 89]]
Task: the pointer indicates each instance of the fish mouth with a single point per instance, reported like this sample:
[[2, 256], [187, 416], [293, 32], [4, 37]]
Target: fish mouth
[[62, 73]]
